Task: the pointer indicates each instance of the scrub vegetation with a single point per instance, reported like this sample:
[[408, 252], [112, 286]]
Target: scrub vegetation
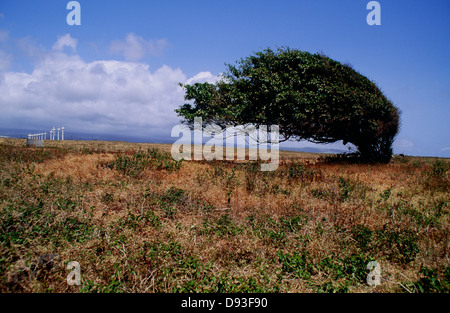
[[138, 221]]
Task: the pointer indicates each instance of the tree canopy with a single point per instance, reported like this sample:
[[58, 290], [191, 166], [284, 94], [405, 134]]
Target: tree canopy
[[309, 96]]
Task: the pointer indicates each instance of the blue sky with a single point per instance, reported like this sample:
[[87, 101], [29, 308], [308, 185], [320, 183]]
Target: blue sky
[[118, 71]]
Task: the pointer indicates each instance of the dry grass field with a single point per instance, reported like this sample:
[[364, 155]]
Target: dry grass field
[[138, 221]]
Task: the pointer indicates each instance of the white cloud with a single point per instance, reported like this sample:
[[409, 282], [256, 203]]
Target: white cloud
[[135, 48], [102, 96], [203, 77], [65, 41], [445, 149]]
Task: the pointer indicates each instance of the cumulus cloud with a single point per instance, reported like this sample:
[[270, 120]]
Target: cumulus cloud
[[203, 77], [98, 96], [65, 41], [135, 48]]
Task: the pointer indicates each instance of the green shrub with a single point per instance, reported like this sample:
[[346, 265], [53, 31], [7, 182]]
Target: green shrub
[[344, 272], [363, 236], [174, 195], [439, 169], [221, 226], [346, 188], [295, 170], [294, 223], [430, 282], [399, 245], [134, 165]]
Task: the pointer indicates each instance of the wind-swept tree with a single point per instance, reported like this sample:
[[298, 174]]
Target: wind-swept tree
[[309, 96]]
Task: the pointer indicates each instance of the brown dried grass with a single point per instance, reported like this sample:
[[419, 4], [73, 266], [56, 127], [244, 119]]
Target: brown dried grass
[[218, 232]]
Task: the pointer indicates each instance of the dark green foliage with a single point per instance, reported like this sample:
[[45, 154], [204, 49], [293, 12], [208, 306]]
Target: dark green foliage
[[298, 171], [309, 96], [132, 221], [134, 164], [346, 188], [276, 232], [295, 170], [221, 226], [295, 223], [439, 169], [352, 266], [169, 201], [363, 236], [343, 271], [173, 195], [298, 265], [26, 221], [399, 245], [430, 282]]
